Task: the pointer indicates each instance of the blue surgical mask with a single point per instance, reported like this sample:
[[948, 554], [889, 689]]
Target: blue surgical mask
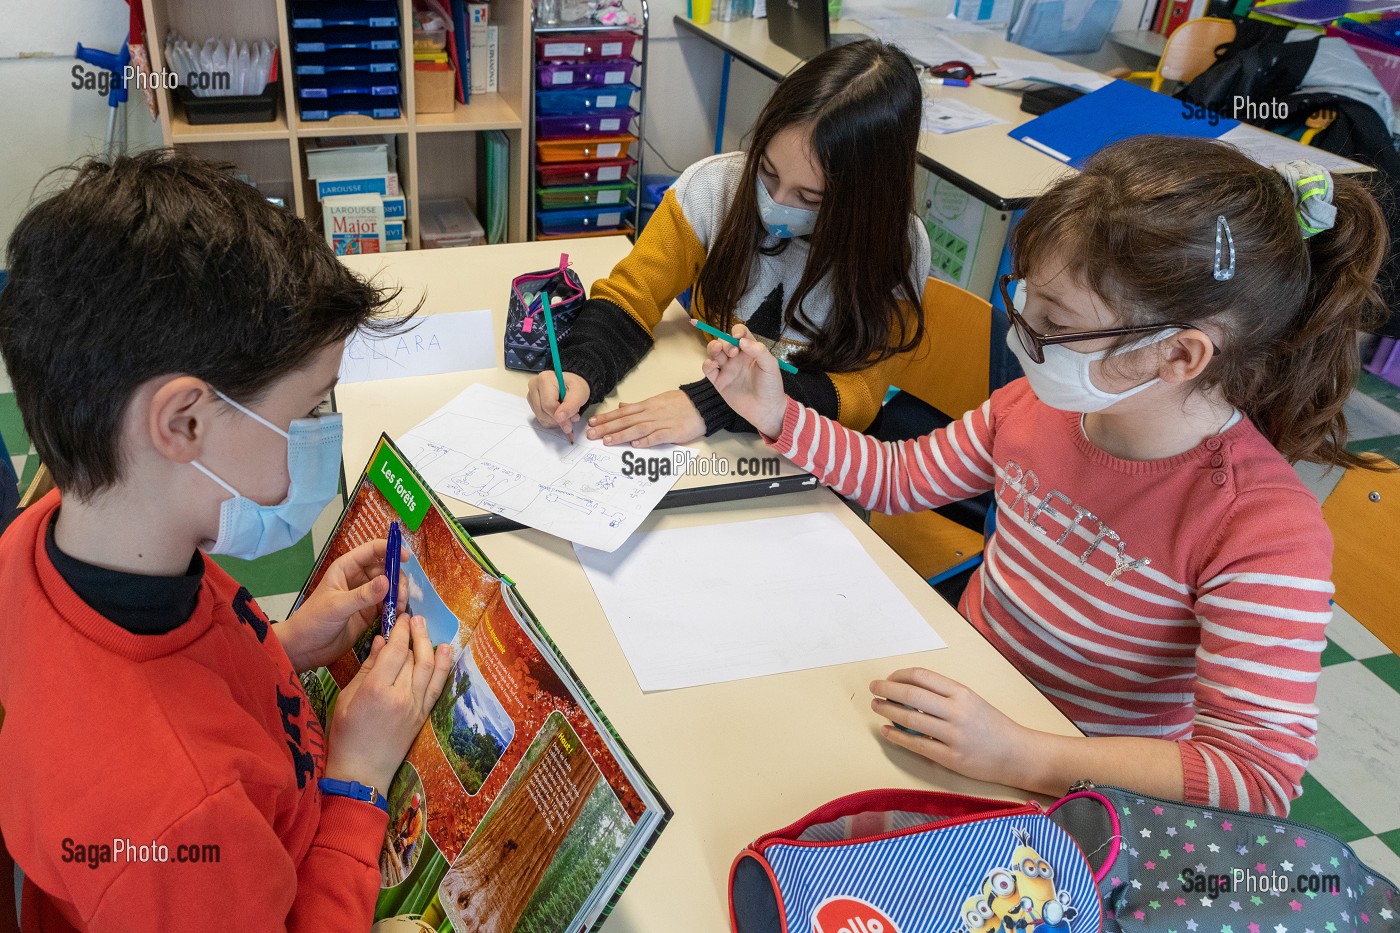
[[783, 221], [248, 530]]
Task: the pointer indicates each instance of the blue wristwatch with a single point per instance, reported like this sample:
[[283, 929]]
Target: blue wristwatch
[[354, 790]]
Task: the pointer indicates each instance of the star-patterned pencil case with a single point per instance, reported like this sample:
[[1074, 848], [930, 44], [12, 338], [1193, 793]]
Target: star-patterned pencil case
[[1170, 867]]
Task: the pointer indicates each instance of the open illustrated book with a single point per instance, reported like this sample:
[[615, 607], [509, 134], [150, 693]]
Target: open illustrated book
[[517, 808]]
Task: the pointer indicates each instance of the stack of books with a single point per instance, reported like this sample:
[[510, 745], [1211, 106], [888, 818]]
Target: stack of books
[[363, 207]]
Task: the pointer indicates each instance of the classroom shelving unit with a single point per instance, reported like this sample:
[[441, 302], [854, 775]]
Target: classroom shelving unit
[[437, 152], [589, 139]]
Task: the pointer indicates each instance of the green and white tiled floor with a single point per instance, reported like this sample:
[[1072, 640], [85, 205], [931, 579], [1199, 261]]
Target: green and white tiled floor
[[1350, 789]]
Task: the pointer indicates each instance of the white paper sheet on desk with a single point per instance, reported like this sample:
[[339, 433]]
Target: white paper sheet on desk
[[920, 37], [436, 343], [485, 447], [713, 603], [1019, 74], [944, 115], [1267, 148]]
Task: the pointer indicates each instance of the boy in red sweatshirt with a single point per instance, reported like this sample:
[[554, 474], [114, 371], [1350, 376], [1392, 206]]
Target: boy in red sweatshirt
[[171, 336]]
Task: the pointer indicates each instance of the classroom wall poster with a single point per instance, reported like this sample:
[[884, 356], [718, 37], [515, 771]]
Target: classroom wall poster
[[513, 810]]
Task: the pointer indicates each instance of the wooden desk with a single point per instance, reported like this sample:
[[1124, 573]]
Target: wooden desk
[[735, 760], [478, 277]]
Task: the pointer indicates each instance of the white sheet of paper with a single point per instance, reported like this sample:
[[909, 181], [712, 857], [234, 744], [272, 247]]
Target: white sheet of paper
[[437, 343], [920, 36], [1015, 74], [1267, 148], [485, 447], [787, 594], [944, 115]]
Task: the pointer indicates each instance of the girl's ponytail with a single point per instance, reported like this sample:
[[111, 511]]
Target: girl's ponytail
[[1298, 404]]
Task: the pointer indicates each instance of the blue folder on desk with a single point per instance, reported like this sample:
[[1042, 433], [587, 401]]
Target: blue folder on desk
[[1075, 131]]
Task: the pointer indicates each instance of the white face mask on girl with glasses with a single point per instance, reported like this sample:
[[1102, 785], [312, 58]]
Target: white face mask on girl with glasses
[[1061, 377]]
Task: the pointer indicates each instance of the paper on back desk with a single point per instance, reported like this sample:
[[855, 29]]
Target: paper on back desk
[[713, 603], [434, 343]]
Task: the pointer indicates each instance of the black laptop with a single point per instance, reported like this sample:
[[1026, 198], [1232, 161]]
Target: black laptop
[[803, 27]]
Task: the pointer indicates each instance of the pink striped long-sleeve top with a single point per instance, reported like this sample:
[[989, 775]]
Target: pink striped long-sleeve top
[[1181, 599]]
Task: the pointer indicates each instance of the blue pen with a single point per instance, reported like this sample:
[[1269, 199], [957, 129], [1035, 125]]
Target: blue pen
[[391, 570]]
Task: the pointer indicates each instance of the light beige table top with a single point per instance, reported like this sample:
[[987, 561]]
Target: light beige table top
[[735, 760], [471, 278], [985, 162]]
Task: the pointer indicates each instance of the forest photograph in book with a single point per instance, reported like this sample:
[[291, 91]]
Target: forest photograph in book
[[516, 809]]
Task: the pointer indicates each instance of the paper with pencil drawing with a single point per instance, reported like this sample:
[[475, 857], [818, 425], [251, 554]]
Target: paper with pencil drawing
[[774, 595], [485, 447]]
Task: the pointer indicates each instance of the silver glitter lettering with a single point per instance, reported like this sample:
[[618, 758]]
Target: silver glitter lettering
[[1046, 508], [1104, 532], [1079, 516], [1123, 563], [1029, 488]]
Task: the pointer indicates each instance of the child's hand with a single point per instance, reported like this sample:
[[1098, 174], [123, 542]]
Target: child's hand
[[379, 713], [748, 378], [543, 396], [668, 418], [956, 728], [336, 613]]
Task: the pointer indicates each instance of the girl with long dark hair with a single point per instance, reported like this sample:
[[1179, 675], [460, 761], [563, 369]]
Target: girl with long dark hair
[[808, 238]]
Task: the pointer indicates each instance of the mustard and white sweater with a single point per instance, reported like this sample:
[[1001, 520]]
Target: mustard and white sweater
[[614, 330]]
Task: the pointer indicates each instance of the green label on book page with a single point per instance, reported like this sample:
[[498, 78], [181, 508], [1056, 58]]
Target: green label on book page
[[393, 478]]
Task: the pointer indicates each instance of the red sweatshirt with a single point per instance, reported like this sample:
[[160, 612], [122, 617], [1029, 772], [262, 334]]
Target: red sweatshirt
[[180, 742], [1180, 599]]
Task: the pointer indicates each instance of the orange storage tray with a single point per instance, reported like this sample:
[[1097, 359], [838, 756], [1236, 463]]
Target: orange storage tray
[[584, 149]]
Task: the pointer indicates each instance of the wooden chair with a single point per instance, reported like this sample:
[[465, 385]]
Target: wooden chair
[[39, 486], [948, 371], [1364, 513], [1190, 50]]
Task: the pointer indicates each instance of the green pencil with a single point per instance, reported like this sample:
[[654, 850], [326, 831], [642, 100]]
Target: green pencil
[[784, 365], [553, 348]]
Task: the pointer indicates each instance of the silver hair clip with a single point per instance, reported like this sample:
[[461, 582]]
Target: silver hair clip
[[1223, 235]]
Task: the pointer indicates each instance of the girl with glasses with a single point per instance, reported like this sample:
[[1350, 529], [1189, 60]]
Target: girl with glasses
[[1187, 323]]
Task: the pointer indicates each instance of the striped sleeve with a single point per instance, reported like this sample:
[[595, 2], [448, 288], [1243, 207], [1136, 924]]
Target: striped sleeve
[[893, 476], [1263, 608]]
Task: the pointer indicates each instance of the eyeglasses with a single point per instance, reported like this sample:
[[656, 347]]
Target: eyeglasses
[[1036, 343]]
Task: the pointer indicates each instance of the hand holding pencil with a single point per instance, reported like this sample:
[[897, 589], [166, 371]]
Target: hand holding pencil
[[550, 411], [749, 378]]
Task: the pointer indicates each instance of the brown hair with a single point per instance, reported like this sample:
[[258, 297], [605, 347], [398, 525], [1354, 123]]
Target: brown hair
[[863, 104], [157, 263], [1137, 228]]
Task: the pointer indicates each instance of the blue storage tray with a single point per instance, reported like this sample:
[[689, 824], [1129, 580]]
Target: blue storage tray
[[380, 108], [378, 13], [324, 63], [582, 219], [345, 83], [346, 37], [584, 100]]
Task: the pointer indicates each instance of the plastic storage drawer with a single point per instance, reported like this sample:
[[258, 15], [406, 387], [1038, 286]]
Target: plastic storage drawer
[[584, 173], [584, 74], [579, 150], [553, 199], [553, 223], [586, 46], [585, 100], [584, 124]]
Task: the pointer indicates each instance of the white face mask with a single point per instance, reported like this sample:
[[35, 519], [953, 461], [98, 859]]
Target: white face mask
[[783, 221], [248, 530], [1063, 381]]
